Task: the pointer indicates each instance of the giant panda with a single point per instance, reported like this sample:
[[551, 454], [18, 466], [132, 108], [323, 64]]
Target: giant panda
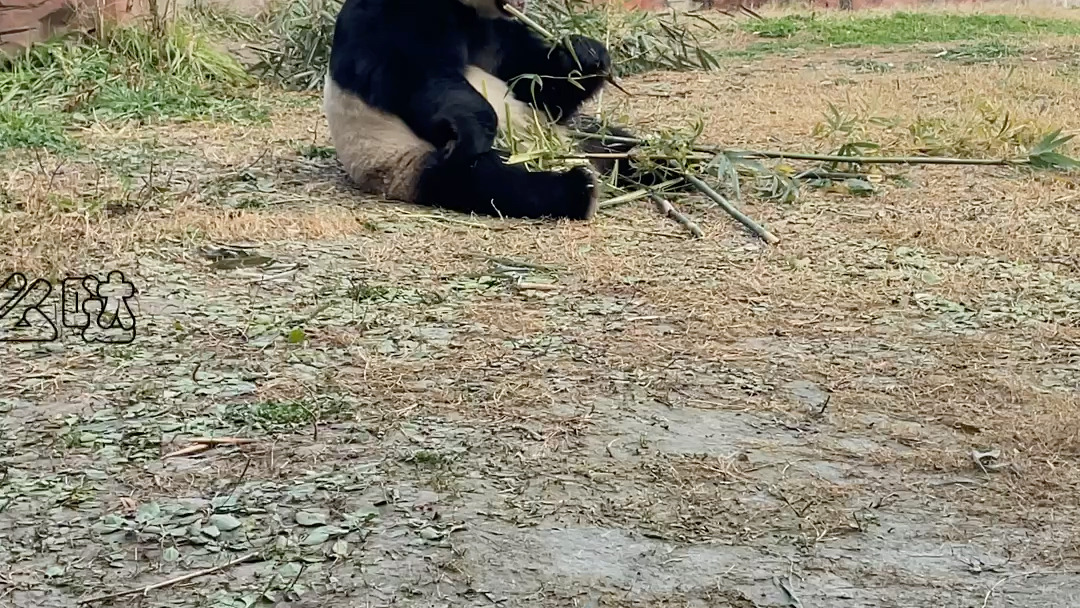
[[415, 93]]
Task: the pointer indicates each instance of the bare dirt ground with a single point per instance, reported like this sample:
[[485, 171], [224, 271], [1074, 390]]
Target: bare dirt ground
[[671, 422]]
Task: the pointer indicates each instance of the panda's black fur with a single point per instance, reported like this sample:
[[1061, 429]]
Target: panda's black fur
[[409, 123]]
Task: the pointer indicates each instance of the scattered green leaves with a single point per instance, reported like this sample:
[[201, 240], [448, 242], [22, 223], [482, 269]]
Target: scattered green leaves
[[987, 133], [298, 54], [224, 522], [306, 518], [638, 40], [1044, 154]]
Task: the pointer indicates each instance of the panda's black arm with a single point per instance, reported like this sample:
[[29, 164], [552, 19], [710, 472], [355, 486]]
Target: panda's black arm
[[445, 110], [412, 66], [436, 102], [517, 51]]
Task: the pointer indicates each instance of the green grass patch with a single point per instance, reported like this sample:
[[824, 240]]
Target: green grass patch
[[904, 28], [33, 129], [754, 51], [128, 73], [986, 131]]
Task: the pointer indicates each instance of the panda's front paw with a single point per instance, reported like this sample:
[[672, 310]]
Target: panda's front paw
[[589, 58], [463, 134]]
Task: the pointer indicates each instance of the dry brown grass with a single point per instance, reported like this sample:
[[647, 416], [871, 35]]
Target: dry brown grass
[[776, 103], [861, 296]]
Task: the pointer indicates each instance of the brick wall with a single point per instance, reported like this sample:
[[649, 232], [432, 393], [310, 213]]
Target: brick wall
[[23, 22]]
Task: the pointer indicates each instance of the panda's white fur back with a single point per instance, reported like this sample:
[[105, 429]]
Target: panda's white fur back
[[380, 153]]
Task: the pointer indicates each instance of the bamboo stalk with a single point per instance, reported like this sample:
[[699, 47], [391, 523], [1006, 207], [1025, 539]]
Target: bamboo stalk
[[636, 194], [629, 155], [664, 207], [754, 227], [622, 199], [869, 160], [522, 17], [879, 160]]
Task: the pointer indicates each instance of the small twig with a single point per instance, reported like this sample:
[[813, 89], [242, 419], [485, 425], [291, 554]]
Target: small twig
[[314, 421], [516, 263], [990, 593], [632, 140], [291, 585], [191, 449], [818, 173], [756, 228], [615, 83], [609, 452], [450, 220], [824, 404], [171, 581], [537, 286], [622, 199], [273, 277], [634, 154], [202, 444], [522, 17], [788, 591], [222, 440], [239, 480], [750, 12], [665, 208], [318, 310], [670, 235]]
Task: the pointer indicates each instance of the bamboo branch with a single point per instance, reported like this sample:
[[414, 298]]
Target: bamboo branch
[[522, 17], [756, 228], [634, 154], [636, 194], [194, 448], [222, 440], [878, 160], [835, 158], [171, 581], [622, 199], [667, 209]]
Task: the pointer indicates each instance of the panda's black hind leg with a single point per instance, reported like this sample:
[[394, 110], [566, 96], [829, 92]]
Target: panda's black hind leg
[[488, 186]]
